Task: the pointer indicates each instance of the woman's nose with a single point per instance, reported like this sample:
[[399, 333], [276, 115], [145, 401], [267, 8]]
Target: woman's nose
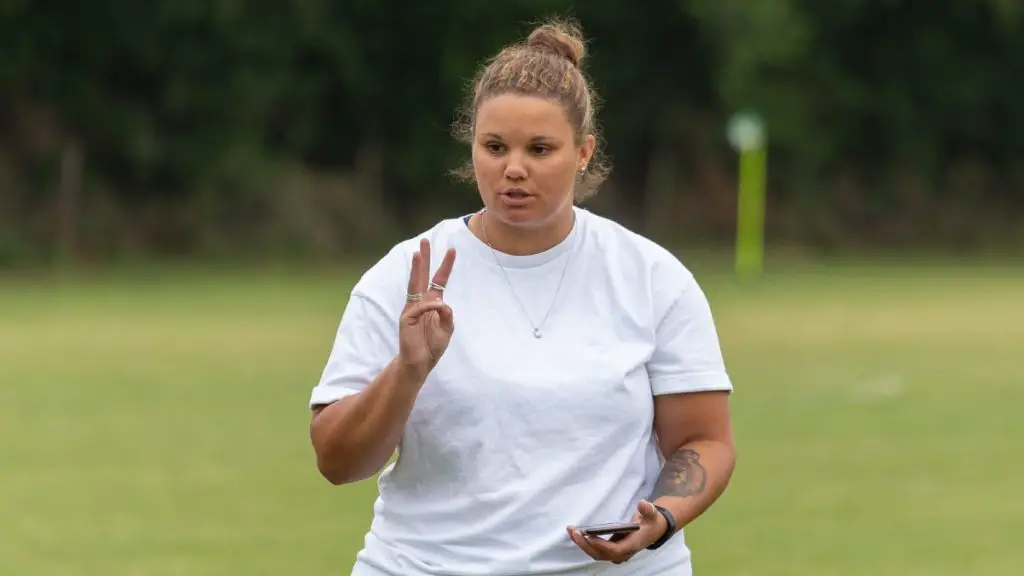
[[515, 170]]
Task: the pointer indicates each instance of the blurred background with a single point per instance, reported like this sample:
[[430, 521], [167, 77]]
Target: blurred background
[[189, 189]]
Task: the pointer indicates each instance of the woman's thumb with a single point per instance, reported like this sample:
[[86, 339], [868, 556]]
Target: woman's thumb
[[647, 510]]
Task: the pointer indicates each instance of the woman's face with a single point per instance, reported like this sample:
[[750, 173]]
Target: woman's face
[[526, 160]]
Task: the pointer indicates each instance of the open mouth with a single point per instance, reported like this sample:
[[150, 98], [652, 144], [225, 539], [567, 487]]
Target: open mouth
[[516, 193]]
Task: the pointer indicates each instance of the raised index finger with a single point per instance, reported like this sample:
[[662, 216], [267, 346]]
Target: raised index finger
[[444, 271]]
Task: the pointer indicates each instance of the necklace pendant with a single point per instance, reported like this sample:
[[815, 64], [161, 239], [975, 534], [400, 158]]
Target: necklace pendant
[[536, 332]]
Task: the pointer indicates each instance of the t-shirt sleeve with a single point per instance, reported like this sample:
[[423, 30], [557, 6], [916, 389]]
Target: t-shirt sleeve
[[365, 342], [687, 355]]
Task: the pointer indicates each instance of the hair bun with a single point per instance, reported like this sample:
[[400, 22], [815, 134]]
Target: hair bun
[[560, 38]]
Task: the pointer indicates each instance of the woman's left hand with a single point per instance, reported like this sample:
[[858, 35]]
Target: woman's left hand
[[620, 549]]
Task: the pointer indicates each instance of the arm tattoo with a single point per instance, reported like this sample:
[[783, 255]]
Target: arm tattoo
[[682, 476]]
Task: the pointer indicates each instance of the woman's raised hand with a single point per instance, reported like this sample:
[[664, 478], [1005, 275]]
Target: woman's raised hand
[[426, 324]]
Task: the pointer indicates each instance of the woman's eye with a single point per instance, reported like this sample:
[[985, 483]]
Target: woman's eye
[[540, 150], [494, 147]]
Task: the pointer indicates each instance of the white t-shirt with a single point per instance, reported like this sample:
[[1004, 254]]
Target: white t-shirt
[[513, 438]]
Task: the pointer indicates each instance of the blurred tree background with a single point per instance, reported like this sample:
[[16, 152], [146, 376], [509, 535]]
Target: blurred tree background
[[318, 129]]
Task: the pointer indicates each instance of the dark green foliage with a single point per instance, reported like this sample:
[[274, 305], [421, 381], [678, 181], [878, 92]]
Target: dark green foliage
[[891, 121]]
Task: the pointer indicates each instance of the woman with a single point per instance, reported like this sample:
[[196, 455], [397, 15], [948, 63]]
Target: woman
[[584, 384]]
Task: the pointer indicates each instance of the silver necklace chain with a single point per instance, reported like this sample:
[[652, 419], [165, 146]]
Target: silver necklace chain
[[568, 258]]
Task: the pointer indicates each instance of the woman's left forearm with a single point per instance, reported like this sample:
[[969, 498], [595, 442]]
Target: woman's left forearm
[[693, 478]]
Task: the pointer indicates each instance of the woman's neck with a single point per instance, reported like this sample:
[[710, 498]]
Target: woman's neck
[[521, 240]]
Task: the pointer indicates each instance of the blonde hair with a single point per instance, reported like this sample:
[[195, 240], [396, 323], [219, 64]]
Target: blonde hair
[[547, 64]]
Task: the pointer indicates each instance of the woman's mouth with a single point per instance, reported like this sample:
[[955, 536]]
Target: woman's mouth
[[516, 197]]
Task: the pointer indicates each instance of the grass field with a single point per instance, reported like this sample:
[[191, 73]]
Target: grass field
[[157, 425]]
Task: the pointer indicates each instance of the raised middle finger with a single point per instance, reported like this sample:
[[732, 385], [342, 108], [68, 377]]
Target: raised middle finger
[[424, 271], [414, 275]]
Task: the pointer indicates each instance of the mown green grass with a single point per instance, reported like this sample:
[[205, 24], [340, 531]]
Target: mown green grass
[[157, 425]]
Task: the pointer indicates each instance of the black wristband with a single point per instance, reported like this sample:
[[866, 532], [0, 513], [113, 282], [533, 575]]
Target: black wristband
[[669, 532]]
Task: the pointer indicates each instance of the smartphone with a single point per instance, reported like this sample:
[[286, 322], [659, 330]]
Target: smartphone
[[613, 528]]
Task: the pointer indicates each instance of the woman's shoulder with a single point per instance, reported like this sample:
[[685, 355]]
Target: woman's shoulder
[[640, 269], [633, 252]]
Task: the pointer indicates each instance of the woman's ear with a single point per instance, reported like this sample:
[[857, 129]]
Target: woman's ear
[[587, 150]]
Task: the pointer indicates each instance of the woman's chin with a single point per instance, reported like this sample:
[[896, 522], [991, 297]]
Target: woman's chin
[[518, 214]]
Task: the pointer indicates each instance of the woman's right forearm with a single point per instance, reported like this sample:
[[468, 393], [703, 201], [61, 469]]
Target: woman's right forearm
[[355, 437]]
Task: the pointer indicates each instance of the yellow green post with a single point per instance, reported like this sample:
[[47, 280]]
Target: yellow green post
[[747, 135]]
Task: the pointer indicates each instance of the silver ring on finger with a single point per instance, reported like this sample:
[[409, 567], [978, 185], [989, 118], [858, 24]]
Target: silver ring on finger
[[438, 287], [414, 297]]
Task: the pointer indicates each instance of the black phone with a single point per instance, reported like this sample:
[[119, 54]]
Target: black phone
[[613, 528]]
